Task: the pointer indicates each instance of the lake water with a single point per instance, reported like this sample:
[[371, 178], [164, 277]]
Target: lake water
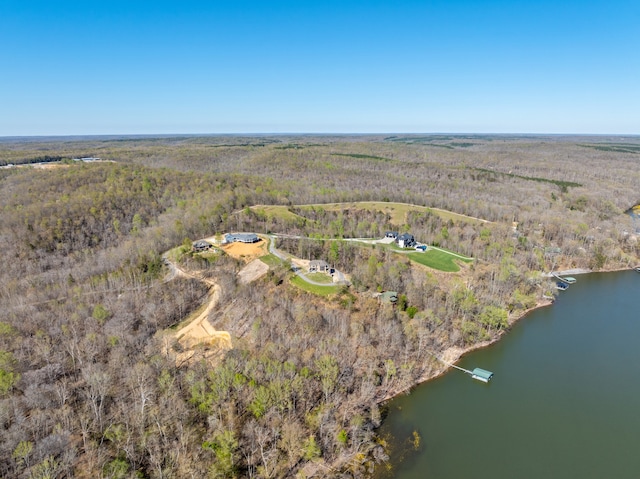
[[564, 401]]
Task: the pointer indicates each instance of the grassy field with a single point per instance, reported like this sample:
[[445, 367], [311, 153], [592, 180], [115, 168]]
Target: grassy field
[[397, 211], [320, 278], [437, 259], [271, 260], [276, 211], [312, 288]]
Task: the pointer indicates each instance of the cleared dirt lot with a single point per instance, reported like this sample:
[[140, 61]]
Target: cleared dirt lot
[[254, 270], [246, 251]]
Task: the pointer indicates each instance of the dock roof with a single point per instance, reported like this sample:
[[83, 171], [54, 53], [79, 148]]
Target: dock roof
[[482, 374]]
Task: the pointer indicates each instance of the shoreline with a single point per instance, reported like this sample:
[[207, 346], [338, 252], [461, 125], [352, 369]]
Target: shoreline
[[454, 353]]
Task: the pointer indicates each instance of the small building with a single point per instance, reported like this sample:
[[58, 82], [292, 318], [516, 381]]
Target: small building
[[241, 238], [389, 297], [405, 240], [201, 245], [319, 266], [391, 234]]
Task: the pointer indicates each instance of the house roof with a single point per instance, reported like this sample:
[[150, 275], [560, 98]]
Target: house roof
[[318, 263], [241, 237], [201, 244]]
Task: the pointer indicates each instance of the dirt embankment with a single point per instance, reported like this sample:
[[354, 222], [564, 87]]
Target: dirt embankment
[[198, 337], [199, 334], [252, 271]]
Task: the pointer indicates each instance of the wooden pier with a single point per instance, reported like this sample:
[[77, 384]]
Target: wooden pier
[[478, 373], [567, 279]]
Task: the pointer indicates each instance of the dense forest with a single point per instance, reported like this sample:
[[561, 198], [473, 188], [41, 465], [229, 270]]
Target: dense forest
[[90, 387]]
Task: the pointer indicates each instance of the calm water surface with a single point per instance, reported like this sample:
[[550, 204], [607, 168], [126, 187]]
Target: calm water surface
[[564, 401]]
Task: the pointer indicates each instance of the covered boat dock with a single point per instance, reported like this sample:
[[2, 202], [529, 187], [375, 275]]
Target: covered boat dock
[[481, 375]]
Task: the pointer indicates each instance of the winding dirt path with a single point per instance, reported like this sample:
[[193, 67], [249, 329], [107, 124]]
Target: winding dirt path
[[199, 327], [198, 337]]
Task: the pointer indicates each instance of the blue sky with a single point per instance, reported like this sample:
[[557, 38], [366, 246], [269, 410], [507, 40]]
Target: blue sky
[[235, 66]]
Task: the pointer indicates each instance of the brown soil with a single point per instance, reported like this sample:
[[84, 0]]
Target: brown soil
[[254, 270], [199, 334], [246, 251], [198, 338]]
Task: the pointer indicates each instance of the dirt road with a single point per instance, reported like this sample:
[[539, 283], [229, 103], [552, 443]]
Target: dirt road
[[198, 335]]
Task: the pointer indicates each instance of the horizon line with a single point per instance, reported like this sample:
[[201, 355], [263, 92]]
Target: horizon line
[[262, 134]]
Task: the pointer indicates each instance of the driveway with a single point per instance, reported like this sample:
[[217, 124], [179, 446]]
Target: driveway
[[299, 266]]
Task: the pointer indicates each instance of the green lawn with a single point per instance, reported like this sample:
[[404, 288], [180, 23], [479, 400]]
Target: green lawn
[[312, 288], [320, 278], [271, 260], [440, 260]]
